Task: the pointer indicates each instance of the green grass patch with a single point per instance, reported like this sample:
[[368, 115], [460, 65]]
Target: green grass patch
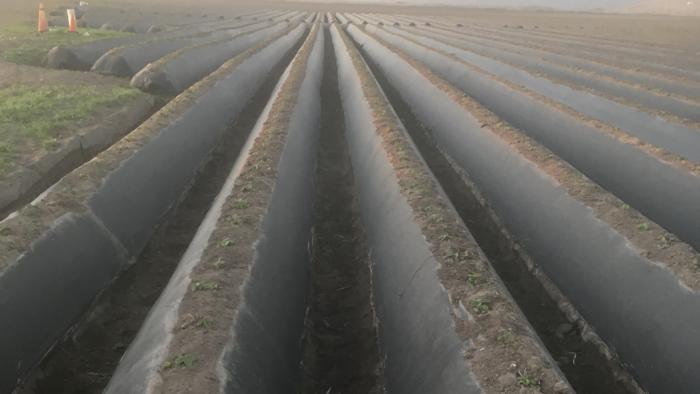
[[21, 44], [33, 118]]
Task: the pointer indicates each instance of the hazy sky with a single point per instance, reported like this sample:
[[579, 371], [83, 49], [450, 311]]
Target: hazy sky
[[568, 4]]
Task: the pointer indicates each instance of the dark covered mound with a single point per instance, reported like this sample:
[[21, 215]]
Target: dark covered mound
[[61, 57]]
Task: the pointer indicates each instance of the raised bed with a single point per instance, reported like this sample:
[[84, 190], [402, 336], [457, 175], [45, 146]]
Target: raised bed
[[235, 306], [615, 44], [353, 18], [125, 61], [83, 57], [439, 333], [620, 164], [674, 137], [311, 17], [179, 70], [669, 107], [252, 245], [72, 242], [664, 70], [671, 65], [341, 18], [669, 59], [552, 55], [613, 264]]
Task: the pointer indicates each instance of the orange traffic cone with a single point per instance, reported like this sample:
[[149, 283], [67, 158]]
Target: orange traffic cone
[[43, 22], [72, 23]]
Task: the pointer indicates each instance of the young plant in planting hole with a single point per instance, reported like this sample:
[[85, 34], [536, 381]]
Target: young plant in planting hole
[[475, 279], [525, 380], [480, 306], [205, 286], [182, 361]]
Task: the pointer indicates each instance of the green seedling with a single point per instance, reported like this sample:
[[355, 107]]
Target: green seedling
[[664, 242], [480, 306], [475, 279], [240, 203], [219, 263], [205, 286], [234, 219], [643, 226], [505, 337], [181, 361], [204, 323], [436, 218], [226, 242], [525, 380], [184, 360], [427, 209], [459, 256]]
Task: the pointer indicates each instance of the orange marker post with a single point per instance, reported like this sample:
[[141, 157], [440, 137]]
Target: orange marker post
[[72, 23], [43, 22]]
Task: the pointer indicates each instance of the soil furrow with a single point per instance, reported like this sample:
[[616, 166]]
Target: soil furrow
[[341, 353]]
